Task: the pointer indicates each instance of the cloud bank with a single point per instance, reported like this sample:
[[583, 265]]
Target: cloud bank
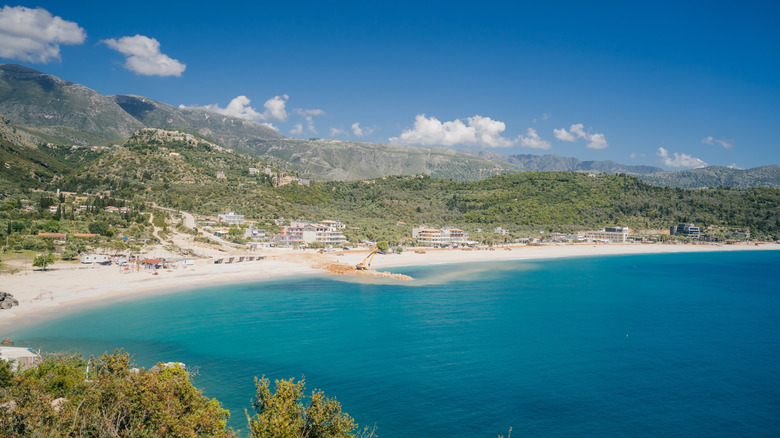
[[576, 131], [144, 56], [34, 35], [680, 160], [477, 131]]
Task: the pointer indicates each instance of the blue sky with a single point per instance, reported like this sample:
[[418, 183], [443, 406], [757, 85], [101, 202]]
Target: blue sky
[[669, 84]]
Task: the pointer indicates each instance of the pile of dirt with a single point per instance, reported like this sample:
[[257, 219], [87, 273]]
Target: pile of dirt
[[345, 269]]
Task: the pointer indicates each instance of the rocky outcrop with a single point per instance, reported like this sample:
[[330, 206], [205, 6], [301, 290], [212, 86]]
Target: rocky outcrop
[[7, 301]]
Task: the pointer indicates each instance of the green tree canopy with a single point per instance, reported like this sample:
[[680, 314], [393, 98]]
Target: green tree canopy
[[289, 413], [43, 260]]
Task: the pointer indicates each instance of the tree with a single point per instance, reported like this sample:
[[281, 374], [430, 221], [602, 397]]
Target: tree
[[382, 245], [42, 261], [99, 227], [288, 413]]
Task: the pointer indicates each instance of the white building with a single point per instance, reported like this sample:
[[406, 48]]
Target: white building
[[323, 234], [427, 236], [93, 258], [335, 224], [501, 231], [230, 218], [20, 358], [454, 236], [609, 235], [254, 234]]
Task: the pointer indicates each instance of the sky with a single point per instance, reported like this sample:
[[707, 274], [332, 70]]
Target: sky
[[676, 85]]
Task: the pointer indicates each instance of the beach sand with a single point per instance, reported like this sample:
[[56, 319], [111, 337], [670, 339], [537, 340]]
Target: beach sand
[[68, 286]]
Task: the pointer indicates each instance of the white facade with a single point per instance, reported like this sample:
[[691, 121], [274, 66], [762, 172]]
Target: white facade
[[609, 235], [93, 258], [254, 234], [322, 234], [427, 236], [230, 218], [453, 236]]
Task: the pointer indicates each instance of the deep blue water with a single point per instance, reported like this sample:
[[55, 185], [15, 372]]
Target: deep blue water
[[650, 345]]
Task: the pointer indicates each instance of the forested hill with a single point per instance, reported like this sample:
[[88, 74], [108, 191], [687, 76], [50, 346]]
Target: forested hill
[[187, 172], [714, 176], [553, 201]]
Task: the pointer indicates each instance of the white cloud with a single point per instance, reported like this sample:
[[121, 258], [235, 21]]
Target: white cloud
[[734, 166], [335, 132], [727, 144], [563, 135], [297, 130], [34, 35], [533, 140], [144, 56], [239, 107], [309, 114], [595, 141], [680, 160], [361, 132], [478, 131], [636, 155], [274, 108]]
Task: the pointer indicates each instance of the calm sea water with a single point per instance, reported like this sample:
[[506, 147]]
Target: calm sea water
[[651, 345]]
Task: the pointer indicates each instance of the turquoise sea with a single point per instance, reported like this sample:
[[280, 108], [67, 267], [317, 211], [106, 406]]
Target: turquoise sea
[[643, 346]]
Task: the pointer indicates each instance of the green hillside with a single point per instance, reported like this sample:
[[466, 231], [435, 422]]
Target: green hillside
[[337, 160], [181, 171], [714, 176]]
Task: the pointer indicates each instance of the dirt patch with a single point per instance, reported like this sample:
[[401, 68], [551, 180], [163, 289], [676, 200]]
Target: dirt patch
[[345, 269]]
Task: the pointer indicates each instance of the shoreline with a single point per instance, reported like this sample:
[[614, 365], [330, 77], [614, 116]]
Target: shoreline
[[66, 288]]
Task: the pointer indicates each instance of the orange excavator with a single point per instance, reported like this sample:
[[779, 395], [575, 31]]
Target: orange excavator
[[363, 266]]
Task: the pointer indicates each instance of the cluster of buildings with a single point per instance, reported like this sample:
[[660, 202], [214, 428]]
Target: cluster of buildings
[[326, 233], [433, 237], [427, 236]]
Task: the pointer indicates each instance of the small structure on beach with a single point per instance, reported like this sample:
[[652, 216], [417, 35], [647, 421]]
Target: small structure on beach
[[93, 258], [19, 358]]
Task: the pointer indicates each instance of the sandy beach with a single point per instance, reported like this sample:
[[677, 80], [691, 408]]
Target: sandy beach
[[68, 286]]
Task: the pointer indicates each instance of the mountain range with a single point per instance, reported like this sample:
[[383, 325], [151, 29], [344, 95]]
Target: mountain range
[[43, 109]]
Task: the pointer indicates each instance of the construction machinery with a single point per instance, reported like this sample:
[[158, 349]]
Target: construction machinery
[[363, 266]]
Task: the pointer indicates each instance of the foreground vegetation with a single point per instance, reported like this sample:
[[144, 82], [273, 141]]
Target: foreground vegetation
[[68, 396]]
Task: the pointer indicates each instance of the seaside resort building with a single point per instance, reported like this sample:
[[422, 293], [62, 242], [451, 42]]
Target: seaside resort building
[[323, 234], [288, 236], [300, 232], [427, 236], [687, 230], [609, 235]]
